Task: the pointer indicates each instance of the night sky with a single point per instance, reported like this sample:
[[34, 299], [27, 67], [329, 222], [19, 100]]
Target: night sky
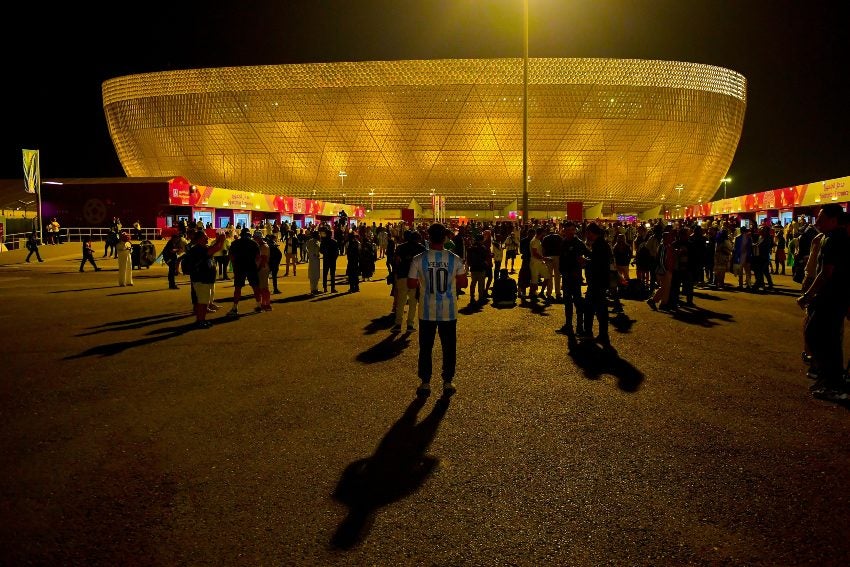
[[794, 55]]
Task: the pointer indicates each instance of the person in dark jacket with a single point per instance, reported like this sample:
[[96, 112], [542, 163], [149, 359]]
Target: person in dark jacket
[[352, 270], [330, 252], [32, 246], [598, 272], [570, 261], [88, 254]]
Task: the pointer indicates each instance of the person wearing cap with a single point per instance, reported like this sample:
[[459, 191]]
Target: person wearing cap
[[244, 254], [438, 274], [125, 264], [200, 265]]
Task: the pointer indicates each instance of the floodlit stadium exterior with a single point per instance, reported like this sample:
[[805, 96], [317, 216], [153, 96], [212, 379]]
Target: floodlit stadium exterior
[[622, 132]]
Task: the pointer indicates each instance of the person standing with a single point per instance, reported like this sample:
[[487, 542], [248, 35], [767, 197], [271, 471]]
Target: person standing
[[352, 270], [664, 266], [552, 251], [476, 259], [722, 257], [88, 254], [405, 295], [171, 252], [780, 255], [290, 249], [53, 228], [571, 261], [539, 265], [313, 266], [263, 271], [275, 257], [202, 273], [125, 262], [598, 279], [32, 246], [438, 274], [511, 247], [330, 251], [244, 254], [826, 301]]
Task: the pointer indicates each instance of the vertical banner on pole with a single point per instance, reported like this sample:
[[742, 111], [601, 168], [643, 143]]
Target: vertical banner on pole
[[32, 181], [32, 171]]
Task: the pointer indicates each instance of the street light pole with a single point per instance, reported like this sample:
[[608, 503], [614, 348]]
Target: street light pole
[[525, 213], [725, 180]]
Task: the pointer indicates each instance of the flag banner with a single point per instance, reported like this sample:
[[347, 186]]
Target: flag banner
[[32, 173]]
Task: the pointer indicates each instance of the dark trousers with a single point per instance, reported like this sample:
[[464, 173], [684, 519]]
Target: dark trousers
[[572, 296], [761, 267], [37, 255], [88, 258], [329, 266], [222, 262], [172, 272], [448, 341], [596, 303], [825, 337], [273, 270], [353, 282]]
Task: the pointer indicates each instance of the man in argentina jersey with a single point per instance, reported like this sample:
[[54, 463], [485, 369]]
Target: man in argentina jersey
[[439, 275]]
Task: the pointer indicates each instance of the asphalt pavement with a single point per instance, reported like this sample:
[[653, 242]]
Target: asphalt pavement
[[294, 437]]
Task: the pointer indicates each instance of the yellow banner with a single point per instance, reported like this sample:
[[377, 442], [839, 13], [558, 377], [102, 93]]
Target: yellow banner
[[32, 171]]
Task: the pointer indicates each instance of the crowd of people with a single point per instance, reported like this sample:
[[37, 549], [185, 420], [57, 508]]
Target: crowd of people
[[659, 262]]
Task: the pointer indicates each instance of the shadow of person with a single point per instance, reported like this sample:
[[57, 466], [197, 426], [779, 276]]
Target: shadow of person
[[694, 315], [595, 361], [388, 348], [471, 308], [622, 323], [294, 298], [379, 324], [396, 469]]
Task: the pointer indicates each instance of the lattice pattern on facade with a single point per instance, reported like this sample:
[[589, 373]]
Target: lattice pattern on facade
[[625, 132]]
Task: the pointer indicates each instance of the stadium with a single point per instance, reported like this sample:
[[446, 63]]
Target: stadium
[[624, 135]]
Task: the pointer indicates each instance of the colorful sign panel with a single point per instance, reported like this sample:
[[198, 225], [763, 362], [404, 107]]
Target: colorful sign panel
[[183, 193], [806, 195]]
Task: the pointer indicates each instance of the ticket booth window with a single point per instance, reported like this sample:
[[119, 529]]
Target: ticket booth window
[[242, 220], [205, 217]]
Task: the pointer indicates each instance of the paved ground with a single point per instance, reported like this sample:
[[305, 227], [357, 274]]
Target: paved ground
[[293, 437]]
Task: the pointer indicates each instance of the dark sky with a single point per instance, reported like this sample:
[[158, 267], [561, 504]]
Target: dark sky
[[795, 55]]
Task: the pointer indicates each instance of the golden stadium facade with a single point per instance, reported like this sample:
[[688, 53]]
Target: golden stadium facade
[[623, 132]]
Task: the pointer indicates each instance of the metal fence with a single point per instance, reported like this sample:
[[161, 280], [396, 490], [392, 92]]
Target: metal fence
[[18, 240]]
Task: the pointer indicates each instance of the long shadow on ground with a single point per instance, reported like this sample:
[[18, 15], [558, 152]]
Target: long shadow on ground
[[137, 323], [397, 468], [596, 361], [154, 335], [381, 323], [387, 349], [700, 316]]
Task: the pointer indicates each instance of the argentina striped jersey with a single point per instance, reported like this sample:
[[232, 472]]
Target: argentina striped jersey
[[436, 271]]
